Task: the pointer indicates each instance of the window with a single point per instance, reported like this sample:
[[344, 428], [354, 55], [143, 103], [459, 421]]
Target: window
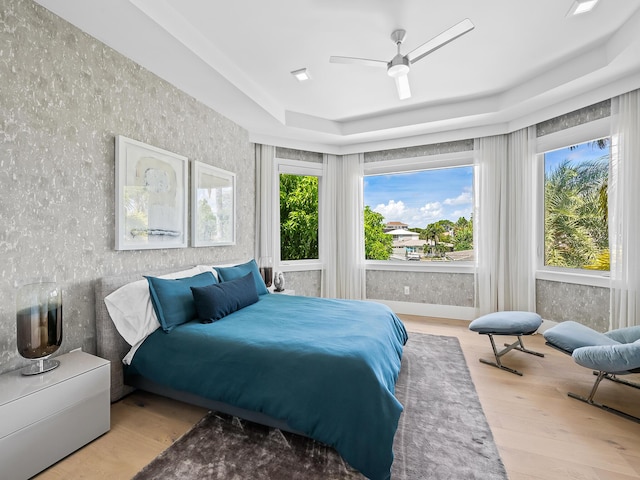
[[576, 207], [298, 210], [420, 211]]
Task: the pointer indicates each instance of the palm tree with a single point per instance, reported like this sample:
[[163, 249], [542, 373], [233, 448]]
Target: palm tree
[[575, 235], [433, 231]]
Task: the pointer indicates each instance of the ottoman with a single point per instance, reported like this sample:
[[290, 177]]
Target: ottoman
[[512, 323]]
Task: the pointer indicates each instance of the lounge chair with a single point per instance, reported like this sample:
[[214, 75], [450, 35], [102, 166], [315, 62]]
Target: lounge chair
[[609, 354]]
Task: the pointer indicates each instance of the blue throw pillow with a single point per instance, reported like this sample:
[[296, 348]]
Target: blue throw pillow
[[172, 299], [231, 273], [219, 300]]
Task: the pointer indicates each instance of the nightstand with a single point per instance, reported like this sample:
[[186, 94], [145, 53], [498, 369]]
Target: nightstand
[[286, 291], [44, 418]]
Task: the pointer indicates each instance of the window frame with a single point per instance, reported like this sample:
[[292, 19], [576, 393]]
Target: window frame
[[554, 141], [414, 164], [302, 168]]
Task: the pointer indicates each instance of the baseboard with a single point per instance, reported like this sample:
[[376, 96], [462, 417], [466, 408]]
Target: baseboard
[[443, 311], [430, 310]]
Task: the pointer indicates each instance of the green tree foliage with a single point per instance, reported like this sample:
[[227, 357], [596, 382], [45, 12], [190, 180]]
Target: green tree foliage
[[463, 234], [298, 217], [435, 233], [575, 234], [377, 244]]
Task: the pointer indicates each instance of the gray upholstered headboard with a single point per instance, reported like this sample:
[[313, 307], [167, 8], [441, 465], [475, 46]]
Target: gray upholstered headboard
[[110, 345]]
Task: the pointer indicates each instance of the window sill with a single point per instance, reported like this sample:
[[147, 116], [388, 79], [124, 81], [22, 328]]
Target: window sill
[[577, 277], [410, 266], [300, 266]]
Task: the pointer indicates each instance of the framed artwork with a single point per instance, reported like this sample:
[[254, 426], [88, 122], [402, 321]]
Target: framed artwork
[[151, 197], [213, 206]]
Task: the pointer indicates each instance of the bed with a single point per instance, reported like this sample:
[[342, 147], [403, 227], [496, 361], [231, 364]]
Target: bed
[[324, 368]]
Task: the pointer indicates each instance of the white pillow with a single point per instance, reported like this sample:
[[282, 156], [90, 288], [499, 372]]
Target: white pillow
[[131, 309]]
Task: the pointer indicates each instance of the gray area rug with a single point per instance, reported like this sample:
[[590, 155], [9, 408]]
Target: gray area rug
[[443, 433]]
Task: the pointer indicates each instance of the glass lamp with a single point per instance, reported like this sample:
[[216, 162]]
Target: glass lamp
[[265, 265], [39, 325]]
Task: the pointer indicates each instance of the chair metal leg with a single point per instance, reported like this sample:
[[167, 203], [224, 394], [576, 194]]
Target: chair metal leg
[[517, 345], [614, 378], [525, 350], [589, 400]]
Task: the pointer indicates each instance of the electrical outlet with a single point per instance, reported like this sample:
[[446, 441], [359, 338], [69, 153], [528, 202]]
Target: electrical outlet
[[406, 290]]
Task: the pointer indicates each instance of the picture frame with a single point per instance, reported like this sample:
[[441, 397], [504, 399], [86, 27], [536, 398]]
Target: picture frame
[[213, 206], [151, 196]]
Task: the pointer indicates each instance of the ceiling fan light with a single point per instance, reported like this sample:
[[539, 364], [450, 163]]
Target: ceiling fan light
[[402, 84], [398, 70], [398, 66]]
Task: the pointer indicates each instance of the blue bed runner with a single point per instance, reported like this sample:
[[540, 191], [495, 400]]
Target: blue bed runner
[[327, 367]]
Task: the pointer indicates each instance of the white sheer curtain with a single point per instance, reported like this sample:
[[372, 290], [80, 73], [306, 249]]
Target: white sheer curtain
[[265, 155], [520, 285], [624, 208], [504, 222], [489, 220], [328, 237], [342, 227]]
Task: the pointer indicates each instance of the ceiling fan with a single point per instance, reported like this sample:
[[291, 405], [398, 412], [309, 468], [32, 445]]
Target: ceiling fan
[[398, 66]]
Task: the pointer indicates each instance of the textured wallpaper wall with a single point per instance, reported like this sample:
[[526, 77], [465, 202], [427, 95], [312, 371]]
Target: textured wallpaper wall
[[455, 289], [410, 152], [559, 301], [64, 96]]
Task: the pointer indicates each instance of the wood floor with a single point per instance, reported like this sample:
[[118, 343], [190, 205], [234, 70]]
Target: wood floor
[[540, 432]]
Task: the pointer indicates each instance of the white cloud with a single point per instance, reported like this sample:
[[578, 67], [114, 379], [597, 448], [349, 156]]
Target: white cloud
[[392, 211], [420, 217], [414, 217], [466, 213], [462, 199], [431, 210]]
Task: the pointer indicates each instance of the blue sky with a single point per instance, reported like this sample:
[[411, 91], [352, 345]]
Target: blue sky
[[582, 152], [420, 198]]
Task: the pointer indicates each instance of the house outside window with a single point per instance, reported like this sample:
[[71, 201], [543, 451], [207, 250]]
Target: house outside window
[[420, 211]]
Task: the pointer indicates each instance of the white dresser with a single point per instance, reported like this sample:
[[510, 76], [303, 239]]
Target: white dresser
[[44, 418]]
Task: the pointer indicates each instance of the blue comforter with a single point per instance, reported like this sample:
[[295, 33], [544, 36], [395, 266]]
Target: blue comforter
[[326, 367]]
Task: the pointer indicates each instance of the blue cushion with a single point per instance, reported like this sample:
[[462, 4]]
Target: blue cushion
[[231, 273], [219, 300], [619, 358], [625, 335], [172, 298], [507, 323], [570, 335]]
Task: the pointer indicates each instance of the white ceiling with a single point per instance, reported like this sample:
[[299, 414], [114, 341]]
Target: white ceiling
[[524, 62]]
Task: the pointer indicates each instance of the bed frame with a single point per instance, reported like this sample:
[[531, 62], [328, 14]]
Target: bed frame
[[111, 346]]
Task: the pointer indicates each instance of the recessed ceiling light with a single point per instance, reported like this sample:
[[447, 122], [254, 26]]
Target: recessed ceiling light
[[581, 6], [301, 75]]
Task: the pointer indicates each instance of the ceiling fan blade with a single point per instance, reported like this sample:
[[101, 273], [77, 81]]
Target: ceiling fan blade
[[440, 40], [402, 85], [359, 61]]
